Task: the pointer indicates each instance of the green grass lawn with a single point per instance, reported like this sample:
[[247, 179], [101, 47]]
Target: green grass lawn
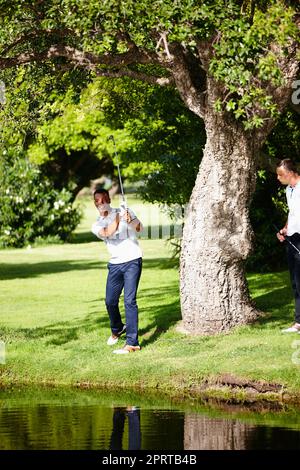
[[55, 326]]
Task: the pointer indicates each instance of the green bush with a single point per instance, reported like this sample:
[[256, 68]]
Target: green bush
[[31, 209]]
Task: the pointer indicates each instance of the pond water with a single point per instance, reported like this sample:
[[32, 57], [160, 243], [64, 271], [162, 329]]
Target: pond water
[[63, 419]]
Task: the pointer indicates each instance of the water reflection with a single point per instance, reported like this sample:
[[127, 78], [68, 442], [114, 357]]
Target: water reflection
[[134, 429], [205, 433], [95, 421]]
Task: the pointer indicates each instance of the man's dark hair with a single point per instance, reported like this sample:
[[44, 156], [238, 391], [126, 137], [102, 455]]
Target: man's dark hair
[[288, 165], [101, 191]]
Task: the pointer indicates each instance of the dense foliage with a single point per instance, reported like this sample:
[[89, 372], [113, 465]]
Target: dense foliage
[[244, 41], [30, 208]]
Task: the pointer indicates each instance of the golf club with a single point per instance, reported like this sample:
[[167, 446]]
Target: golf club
[[123, 205], [287, 239]]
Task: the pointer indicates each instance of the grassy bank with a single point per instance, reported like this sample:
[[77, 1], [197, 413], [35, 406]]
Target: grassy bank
[[54, 325]]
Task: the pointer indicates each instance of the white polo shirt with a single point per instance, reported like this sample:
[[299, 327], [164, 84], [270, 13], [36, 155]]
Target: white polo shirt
[[123, 245], [293, 201]]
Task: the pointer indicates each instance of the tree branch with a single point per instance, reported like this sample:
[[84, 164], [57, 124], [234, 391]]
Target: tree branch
[[164, 42], [36, 34], [192, 92], [93, 62], [206, 50], [162, 81], [289, 66], [124, 36], [82, 58]]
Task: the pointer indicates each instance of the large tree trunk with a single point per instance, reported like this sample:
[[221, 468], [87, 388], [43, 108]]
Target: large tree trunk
[[217, 234]]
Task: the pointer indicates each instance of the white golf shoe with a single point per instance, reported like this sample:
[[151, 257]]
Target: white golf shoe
[[114, 338], [292, 329]]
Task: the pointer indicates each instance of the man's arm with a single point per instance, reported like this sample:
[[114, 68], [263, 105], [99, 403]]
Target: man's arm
[[133, 221], [111, 228], [136, 224]]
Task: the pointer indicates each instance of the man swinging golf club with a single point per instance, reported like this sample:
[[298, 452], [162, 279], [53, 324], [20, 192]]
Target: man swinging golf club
[[287, 174], [118, 229]]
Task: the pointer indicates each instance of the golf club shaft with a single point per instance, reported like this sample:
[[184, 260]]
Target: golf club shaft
[[118, 166], [121, 184]]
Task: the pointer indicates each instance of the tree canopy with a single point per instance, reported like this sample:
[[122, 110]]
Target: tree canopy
[[245, 44]]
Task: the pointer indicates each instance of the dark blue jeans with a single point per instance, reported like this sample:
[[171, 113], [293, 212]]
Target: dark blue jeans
[[127, 276], [294, 267]]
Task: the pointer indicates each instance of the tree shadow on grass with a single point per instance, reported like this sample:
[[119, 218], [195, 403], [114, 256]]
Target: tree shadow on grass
[[62, 332], [160, 318], [278, 306], [277, 297], [82, 237], [160, 263], [269, 280], [163, 319], [162, 313], [29, 270], [162, 310]]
